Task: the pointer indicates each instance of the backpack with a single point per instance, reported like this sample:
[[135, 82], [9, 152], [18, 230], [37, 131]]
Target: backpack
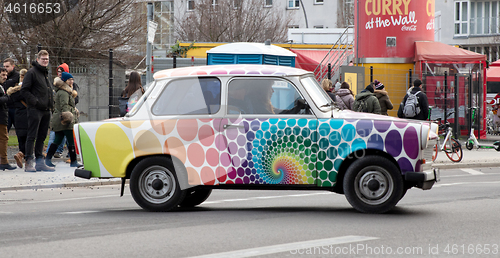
[[411, 107], [360, 105]]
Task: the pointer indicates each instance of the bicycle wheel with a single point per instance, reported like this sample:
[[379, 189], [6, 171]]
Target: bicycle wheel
[[435, 151], [453, 150]]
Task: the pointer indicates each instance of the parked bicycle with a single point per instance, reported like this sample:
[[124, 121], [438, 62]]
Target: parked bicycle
[[450, 145]]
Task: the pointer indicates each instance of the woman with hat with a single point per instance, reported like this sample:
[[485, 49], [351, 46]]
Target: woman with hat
[[64, 117], [383, 97]]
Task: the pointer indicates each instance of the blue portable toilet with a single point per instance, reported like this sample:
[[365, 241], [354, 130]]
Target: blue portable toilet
[[250, 53]]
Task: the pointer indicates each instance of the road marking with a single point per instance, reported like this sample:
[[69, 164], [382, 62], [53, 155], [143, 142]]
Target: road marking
[[272, 249], [78, 212], [264, 197], [472, 171], [5, 212], [466, 183]]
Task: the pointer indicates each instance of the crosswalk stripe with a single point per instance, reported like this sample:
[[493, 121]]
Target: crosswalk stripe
[[472, 171], [272, 249]]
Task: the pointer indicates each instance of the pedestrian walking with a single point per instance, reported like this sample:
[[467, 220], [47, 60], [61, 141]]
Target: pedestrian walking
[[133, 92], [12, 81], [65, 116], [383, 98], [345, 97], [415, 104], [38, 94], [4, 115], [327, 86], [59, 152], [366, 101], [21, 118]]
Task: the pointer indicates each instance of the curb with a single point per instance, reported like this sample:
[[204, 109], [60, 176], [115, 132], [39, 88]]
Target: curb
[[466, 165], [116, 181]]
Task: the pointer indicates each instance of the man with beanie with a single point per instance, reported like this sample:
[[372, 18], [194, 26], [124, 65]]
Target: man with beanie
[[4, 135], [38, 94], [383, 98], [12, 80], [366, 101], [421, 106]]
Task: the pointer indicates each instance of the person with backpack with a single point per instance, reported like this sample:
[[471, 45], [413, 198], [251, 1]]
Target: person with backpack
[[383, 98], [366, 101], [415, 104]]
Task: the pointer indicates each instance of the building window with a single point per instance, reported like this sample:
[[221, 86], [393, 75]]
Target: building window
[[268, 3], [190, 5], [484, 18], [292, 4], [461, 17], [318, 27], [318, 1], [293, 26]]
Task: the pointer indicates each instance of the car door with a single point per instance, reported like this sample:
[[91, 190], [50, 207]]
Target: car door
[[266, 137]]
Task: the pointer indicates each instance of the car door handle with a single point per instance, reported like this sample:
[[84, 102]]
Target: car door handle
[[233, 125]]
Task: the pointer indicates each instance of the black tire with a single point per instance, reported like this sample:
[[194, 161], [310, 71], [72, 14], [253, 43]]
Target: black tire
[[373, 184], [469, 145], [154, 184], [195, 197]]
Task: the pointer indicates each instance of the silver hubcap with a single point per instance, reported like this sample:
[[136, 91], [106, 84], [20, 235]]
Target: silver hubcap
[[157, 184], [374, 185]]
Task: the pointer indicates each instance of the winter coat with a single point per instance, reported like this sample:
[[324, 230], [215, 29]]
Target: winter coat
[[21, 121], [4, 110], [423, 103], [332, 95], [345, 100], [385, 102], [371, 102], [36, 89], [12, 81], [64, 101]]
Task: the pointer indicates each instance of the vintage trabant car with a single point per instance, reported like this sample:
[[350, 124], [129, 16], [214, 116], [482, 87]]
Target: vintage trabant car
[[254, 127]]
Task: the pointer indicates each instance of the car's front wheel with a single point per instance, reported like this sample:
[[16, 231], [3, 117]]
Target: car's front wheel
[[154, 185], [373, 184]]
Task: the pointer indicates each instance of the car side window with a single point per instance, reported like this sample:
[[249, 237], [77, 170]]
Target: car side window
[[196, 96], [262, 96]]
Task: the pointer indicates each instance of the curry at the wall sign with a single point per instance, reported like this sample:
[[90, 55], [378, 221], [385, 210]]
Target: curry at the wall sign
[[406, 20]]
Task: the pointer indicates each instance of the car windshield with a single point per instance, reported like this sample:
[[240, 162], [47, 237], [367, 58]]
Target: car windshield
[[319, 96]]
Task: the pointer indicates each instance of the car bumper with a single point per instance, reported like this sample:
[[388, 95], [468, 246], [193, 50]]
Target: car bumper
[[424, 179]]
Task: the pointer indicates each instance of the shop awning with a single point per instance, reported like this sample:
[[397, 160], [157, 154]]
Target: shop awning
[[495, 64], [309, 59], [493, 74], [437, 51]]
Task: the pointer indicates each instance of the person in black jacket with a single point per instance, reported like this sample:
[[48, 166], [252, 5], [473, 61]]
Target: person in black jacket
[[4, 135], [423, 103], [12, 81], [37, 91]]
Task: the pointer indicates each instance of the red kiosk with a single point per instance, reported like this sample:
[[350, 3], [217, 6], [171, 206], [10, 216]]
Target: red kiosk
[[453, 81]]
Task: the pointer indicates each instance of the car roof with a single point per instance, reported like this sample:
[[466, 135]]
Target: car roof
[[231, 70]]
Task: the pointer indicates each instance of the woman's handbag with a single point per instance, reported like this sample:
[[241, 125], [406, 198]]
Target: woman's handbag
[[123, 105]]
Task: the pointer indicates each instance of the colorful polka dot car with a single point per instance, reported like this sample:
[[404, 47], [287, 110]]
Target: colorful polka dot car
[[254, 127]]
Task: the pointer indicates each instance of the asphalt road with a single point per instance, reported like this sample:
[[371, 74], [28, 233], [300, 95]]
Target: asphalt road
[[459, 217]]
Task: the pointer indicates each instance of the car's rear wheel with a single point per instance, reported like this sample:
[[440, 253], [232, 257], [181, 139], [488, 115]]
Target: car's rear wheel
[[195, 197], [154, 185], [373, 184]]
